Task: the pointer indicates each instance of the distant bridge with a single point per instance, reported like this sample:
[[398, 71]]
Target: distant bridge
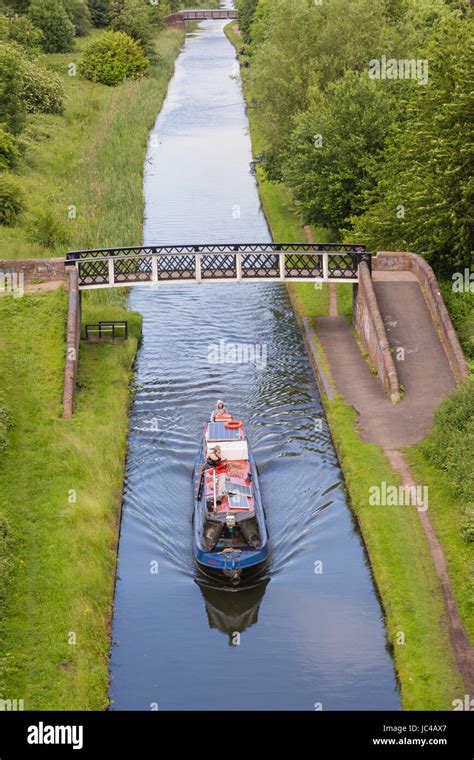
[[230, 262], [177, 19]]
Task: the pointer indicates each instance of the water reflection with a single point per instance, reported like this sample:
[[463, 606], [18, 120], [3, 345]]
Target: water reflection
[[232, 612]]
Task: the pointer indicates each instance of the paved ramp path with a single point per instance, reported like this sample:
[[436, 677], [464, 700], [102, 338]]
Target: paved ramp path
[[420, 360], [424, 372]]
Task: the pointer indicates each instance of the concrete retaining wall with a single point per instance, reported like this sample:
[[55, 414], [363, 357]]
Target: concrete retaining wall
[[73, 339], [403, 261], [369, 324]]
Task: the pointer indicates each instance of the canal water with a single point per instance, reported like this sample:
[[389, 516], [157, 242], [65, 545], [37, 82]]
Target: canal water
[[312, 635]]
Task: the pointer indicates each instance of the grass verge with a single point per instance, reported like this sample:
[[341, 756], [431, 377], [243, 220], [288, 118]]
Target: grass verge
[[61, 480]]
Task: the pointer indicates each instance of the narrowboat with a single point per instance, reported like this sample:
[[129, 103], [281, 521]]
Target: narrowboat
[[230, 533]]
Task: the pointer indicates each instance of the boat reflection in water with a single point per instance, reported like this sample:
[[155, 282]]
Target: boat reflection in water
[[232, 612]]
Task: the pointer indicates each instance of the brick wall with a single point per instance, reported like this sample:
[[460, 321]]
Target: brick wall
[[369, 324], [73, 338], [35, 270]]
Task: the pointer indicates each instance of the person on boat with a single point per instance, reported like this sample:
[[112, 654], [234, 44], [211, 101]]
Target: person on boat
[[214, 459], [220, 409]]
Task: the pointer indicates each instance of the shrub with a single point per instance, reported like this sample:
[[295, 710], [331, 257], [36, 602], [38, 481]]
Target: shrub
[[22, 31], [113, 58], [99, 12], [46, 229], [451, 437], [58, 30], [43, 91], [12, 107], [135, 21], [12, 199], [9, 152], [79, 13]]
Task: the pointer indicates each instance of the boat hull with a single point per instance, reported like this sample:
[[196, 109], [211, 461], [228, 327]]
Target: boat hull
[[231, 567]]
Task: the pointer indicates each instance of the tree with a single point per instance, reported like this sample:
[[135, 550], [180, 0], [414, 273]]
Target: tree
[[22, 31], [298, 57], [99, 12], [423, 197], [133, 19], [12, 106], [79, 13], [58, 30], [246, 10], [112, 58], [334, 149]]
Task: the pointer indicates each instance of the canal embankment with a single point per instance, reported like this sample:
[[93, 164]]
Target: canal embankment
[[61, 480], [429, 667]]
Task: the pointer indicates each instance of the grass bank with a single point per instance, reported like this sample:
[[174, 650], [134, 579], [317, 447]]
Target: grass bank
[[88, 163], [61, 480], [399, 554]]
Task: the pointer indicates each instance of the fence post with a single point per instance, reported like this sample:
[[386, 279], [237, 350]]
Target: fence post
[[325, 267], [238, 261], [111, 272], [154, 270], [282, 265]]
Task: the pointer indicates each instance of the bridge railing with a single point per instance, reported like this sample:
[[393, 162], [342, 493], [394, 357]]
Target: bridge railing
[[253, 262]]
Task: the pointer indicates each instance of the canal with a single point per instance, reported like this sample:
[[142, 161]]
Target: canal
[[312, 635]]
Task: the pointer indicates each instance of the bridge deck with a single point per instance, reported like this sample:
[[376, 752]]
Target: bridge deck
[[252, 262]]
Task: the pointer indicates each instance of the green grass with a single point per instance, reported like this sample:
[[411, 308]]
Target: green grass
[[448, 519], [91, 158], [60, 491], [399, 553], [403, 570], [61, 480]]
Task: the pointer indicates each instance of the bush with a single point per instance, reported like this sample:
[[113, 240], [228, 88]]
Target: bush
[[79, 13], [134, 20], [58, 30], [43, 91], [452, 437], [12, 107], [12, 199], [46, 229], [99, 12], [9, 152], [461, 311], [22, 31], [113, 58]]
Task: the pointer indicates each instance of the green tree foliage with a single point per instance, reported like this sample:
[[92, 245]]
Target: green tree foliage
[[451, 437], [112, 58], [19, 6], [134, 20], [246, 10], [298, 58], [9, 152], [12, 105], [43, 91], [58, 30], [46, 229], [99, 12], [334, 149], [23, 32], [12, 199], [79, 13], [423, 199]]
